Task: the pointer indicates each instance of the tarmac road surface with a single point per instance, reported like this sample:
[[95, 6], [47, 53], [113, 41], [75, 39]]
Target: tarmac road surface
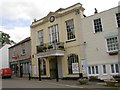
[[26, 83]]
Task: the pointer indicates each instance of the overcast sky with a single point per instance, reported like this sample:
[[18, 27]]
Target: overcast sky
[[17, 15]]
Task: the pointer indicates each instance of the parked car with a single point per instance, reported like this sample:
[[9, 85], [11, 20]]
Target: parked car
[[6, 72]]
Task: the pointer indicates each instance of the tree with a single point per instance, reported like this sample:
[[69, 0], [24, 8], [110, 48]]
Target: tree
[[5, 39]]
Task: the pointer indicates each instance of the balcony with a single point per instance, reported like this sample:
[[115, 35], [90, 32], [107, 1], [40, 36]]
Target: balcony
[[50, 49]]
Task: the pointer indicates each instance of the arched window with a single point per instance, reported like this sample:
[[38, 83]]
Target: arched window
[[72, 58]]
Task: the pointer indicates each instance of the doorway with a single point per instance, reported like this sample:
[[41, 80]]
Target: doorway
[[53, 69]]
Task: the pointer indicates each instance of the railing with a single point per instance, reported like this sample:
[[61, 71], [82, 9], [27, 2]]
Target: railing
[[50, 46]]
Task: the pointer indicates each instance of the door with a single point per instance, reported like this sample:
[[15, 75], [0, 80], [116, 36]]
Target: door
[[53, 68]]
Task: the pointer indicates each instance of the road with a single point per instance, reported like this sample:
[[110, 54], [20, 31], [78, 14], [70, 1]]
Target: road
[[25, 83]]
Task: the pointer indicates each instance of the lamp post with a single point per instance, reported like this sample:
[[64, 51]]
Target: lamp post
[[39, 64], [57, 77]]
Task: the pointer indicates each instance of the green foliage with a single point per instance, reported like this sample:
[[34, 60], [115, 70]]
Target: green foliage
[[116, 76], [93, 78], [50, 46], [83, 81], [5, 38]]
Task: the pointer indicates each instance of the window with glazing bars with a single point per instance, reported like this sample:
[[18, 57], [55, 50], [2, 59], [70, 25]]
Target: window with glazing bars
[[72, 59], [53, 34], [118, 19], [97, 25], [40, 37], [112, 44], [70, 29]]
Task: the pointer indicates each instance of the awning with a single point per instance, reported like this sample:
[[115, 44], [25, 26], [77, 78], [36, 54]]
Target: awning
[[14, 62]]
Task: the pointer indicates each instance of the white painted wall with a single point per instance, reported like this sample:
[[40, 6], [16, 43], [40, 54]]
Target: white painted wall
[[4, 56], [96, 52]]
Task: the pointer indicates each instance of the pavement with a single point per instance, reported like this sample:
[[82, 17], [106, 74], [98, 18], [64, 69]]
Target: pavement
[[69, 83]]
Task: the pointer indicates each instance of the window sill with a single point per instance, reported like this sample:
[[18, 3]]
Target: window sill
[[93, 74], [104, 74], [113, 52], [70, 40], [74, 74], [114, 73], [22, 54]]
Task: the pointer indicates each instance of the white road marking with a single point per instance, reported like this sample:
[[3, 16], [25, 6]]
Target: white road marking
[[64, 85]]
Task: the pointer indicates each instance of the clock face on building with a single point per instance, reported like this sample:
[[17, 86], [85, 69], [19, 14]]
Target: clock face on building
[[52, 18]]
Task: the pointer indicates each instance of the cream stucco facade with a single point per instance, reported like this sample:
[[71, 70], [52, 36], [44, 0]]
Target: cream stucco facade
[[70, 46], [79, 44]]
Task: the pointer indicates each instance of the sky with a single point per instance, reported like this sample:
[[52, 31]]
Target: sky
[[16, 16]]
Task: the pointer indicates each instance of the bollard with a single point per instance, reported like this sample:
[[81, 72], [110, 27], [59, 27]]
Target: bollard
[[29, 77]]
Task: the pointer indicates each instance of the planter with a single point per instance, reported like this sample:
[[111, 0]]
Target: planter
[[61, 47], [44, 48], [111, 82], [83, 81], [93, 78], [50, 46], [39, 49], [117, 77]]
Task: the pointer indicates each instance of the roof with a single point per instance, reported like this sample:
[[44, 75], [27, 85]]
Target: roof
[[101, 12], [57, 13], [21, 42]]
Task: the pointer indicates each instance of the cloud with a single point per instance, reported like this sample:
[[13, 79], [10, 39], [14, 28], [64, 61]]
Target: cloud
[[16, 15], [19, 9], [18, 33], [20, 22]]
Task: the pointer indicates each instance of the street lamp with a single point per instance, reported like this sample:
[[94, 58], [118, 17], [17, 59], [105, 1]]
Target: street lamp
[[55, 47], [57, 77]]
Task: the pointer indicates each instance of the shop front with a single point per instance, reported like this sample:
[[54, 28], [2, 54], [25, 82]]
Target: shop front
[[24, 68], [14, 67]]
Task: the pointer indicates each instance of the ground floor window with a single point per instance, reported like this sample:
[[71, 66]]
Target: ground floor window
[[115, 68], [104, 69], [14, 68], [93, 70], [72, 59], [26, 67]]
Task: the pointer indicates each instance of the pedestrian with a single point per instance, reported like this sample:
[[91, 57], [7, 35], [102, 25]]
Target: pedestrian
[[17, 68], [21, 71]]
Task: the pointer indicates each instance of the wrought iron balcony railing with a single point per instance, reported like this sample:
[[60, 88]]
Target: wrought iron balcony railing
[[50, 46]]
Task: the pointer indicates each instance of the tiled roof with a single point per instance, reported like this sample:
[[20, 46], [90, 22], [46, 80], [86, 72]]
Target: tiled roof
[[23, 41]]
